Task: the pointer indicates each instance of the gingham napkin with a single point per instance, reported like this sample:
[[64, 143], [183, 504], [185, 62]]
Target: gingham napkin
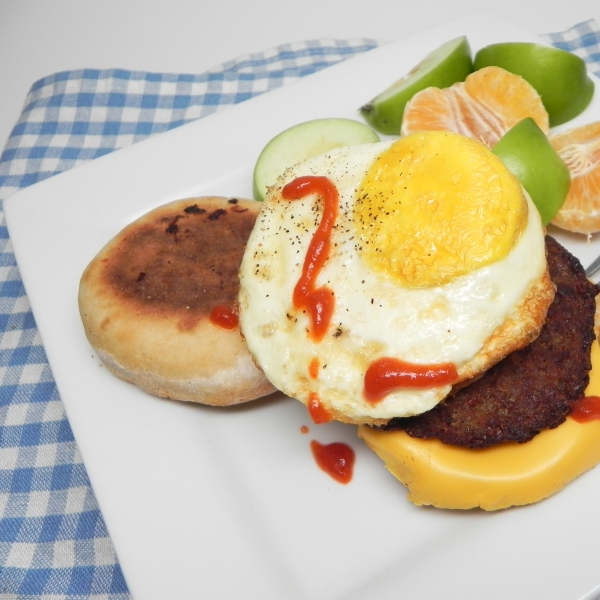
[[53, 541]]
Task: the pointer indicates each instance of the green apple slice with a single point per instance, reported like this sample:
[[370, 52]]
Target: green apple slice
[[560, 77], [449, 63], [304, 141], [529, 155]]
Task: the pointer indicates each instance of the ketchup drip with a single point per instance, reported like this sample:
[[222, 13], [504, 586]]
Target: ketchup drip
[[224, 317], [337, 460], [386, 375], [313, 368], [586, 409], [318, 302], [318, 413]]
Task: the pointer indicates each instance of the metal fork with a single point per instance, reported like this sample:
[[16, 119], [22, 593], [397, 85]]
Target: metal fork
[[595, 266]]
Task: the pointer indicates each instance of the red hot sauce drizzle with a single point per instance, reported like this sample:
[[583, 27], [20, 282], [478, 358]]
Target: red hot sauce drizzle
[[337, 460], [313, 368], [223, 316], [386, 375], [319, 302], [318, 413], [586, 409]]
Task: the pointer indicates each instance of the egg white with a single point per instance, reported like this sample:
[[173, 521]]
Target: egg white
[[374, 316]]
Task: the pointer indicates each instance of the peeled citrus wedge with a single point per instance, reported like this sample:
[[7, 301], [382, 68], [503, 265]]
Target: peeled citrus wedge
[[529, 155], [485, 106], [304, 141], [449, 63], [579, 148], [559, 76]]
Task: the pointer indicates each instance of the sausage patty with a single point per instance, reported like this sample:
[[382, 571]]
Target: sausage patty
[[531, 389]]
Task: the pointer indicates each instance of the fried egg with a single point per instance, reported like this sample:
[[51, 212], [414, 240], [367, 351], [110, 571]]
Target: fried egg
[[378, 277]]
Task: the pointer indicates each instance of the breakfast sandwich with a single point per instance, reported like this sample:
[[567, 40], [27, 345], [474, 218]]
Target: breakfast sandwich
[[158, 302], [409, 287]]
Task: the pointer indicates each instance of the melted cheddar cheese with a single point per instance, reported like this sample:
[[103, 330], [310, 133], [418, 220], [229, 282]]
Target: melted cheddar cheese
[[509, 474]]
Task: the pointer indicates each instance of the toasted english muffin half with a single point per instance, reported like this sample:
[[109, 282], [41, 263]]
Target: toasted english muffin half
[[147, 297]]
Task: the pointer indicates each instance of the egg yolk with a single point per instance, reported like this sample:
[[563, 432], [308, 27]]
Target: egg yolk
[[435, 206]]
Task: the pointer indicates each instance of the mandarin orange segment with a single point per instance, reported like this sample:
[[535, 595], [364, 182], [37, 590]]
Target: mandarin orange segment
[[485, 106], [432, 109], [580, 149]]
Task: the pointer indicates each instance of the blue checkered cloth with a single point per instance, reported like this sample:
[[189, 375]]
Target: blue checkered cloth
[[53, 541]]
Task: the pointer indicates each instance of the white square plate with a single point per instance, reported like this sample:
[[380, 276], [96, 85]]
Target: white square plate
[[228, 503]]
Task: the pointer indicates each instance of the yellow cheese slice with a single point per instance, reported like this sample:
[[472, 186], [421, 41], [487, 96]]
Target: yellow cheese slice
[[508, 474]]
